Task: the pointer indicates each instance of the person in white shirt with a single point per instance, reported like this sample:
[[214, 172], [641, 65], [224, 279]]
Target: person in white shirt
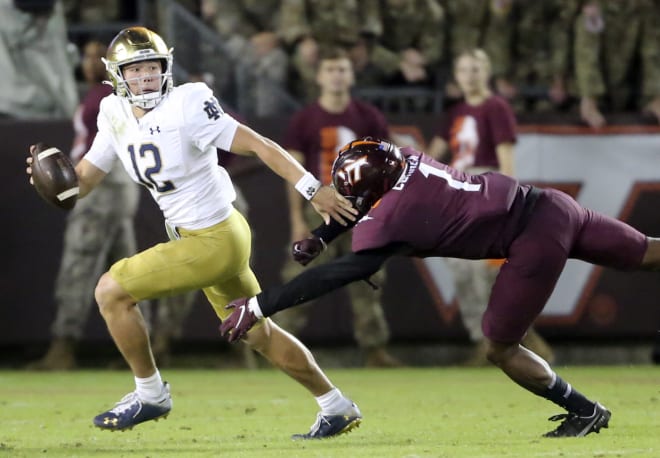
[[166, 138]]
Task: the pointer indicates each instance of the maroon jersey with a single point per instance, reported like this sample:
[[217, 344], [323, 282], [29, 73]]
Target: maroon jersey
[[473, 132], [440, 211], [84, 120], [435, 210], [319, 135]]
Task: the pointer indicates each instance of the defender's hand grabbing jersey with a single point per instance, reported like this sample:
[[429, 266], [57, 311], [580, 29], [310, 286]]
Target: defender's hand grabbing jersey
[[172, 151]]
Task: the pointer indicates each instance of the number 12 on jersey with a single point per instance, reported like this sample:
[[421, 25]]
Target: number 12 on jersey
[[146, 175]]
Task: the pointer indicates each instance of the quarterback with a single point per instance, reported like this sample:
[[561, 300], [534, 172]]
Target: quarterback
[[415, 206], [166, 139]]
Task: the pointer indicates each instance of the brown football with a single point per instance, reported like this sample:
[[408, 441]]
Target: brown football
[[54, 176]]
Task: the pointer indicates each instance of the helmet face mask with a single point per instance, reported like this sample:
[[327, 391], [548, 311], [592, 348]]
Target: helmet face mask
[[138, 44], [365, 170]]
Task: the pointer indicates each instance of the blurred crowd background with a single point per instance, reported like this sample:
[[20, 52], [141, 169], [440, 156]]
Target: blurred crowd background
[[587, 57]]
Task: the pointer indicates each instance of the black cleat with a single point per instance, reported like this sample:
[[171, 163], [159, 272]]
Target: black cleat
[[332, 425], [576, 426]]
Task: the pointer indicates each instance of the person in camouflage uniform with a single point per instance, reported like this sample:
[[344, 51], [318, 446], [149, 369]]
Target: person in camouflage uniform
[[617, 58], [307, 24], [466, 22], [99, 231], [248, 29], [91, 10], [541, 53], [412, 43], [530, 47], [37, 66], [529, 44]]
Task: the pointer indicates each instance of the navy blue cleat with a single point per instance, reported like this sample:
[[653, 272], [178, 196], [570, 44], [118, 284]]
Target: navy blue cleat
[[577, 426], [131, 410], [332, 425]]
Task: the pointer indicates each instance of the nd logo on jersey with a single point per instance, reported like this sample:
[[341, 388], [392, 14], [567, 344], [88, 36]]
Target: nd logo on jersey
[[212, 109]]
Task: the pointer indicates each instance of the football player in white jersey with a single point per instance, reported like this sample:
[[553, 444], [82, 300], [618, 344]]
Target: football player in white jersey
[[166, 138]]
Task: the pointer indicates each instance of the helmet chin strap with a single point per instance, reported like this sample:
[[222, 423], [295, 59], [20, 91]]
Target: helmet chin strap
[[145, 101]]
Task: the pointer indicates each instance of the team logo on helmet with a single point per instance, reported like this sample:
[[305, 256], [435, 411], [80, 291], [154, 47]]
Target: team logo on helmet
[[366, 169], [136, 44]]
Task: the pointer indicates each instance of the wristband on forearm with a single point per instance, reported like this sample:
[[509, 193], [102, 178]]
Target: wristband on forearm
[[308, 186], [253, 306]]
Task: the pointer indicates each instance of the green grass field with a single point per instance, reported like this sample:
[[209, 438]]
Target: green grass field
[[431, 412]]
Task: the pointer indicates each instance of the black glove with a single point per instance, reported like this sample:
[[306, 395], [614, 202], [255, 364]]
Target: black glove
[[239, 322], [305, 250]]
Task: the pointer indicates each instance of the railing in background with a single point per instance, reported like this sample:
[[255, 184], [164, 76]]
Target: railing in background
[[200, 53]]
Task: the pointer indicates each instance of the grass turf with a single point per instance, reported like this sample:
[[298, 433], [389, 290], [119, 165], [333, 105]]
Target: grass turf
[[430, 412]]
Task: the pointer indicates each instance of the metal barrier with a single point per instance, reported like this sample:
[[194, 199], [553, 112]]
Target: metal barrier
[[201, 52], [403, 99]]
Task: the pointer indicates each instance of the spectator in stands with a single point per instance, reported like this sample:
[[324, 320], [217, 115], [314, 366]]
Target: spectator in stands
[[37, 64], [530, 44], [480, 24], [412, 43], [479, 135], [617, 68], [496, 41], [542, 60], [248, 30], [307, 24], [465, 29], [314, 136], [92, 11]]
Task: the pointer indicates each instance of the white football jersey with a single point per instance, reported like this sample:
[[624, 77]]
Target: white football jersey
[[172, 151]]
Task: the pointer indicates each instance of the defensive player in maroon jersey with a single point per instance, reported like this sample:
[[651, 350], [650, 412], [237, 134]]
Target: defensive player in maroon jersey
[[414, 206]]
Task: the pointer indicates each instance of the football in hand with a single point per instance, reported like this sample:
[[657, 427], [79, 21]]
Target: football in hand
[[54, 176]]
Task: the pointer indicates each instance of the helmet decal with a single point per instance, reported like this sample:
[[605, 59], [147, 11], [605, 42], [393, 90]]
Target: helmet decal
[[366, 169]]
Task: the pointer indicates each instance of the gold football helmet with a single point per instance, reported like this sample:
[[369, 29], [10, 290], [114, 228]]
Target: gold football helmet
[[135, 44]]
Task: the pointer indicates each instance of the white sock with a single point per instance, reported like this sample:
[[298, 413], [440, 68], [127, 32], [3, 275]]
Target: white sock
[[149, 388], [333, 402]]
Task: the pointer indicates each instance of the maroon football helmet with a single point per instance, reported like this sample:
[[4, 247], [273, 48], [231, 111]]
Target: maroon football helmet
[[365, 170]]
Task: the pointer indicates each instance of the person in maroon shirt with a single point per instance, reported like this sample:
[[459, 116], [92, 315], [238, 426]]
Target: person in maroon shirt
[[479, 134], [314, 136], [412, 205]]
